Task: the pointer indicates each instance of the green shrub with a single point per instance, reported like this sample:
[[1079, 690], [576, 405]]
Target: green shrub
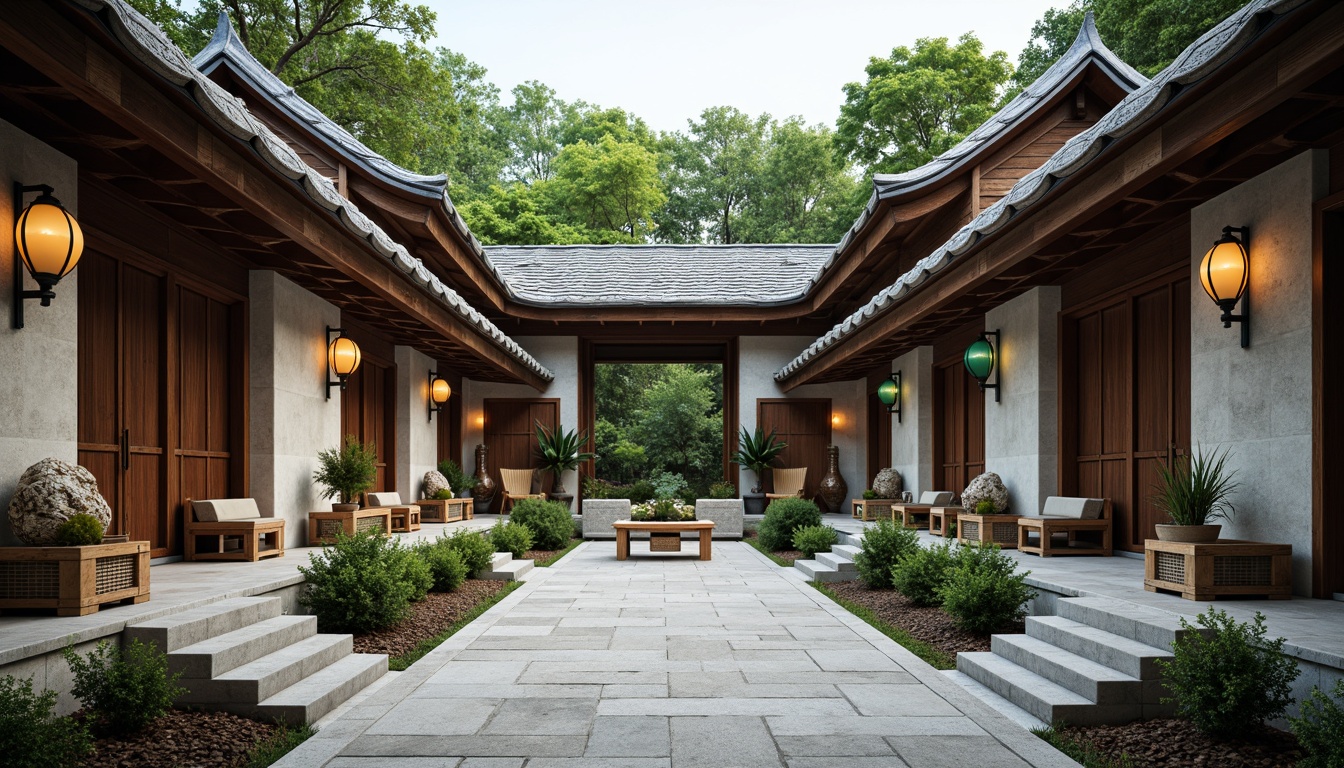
[[813, 539], [782, 518], [363, 583], [1232, 680], [475, 550], [638, 493], [346, 472], [457, 479], [31, 736], [549, 521], [1320, 729], [79, 531], [870, 494], [511, 537], [443, 494], [983, 592], [984, 507], [920, 574], [594, 488], [669, 485], [127, 687], [722, 490], [883, 545], [445, 564]]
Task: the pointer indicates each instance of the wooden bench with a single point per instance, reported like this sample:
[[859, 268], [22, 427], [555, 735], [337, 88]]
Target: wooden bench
[[446, 510], [323, 526], [1069, 516], [624, 527], [405, 517], [916, 515], [230, 529]]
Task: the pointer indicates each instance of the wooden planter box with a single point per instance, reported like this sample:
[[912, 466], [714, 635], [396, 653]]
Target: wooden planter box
[[75, 581], [871, 509], [323, 526], [942, 520], [446, 510], [987, 529], [1227, 567]]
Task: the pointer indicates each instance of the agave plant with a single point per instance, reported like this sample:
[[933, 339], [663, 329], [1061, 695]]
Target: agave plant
[[1194, 490], [559, 451], [756, 451]]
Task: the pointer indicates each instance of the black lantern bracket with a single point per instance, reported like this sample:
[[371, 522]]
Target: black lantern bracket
[[996, 369], [44, 293], [1228, 305], [895, 407], [332, 335], [433, 409]]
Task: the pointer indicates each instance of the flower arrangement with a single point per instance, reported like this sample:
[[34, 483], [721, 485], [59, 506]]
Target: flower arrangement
[[662, 510]]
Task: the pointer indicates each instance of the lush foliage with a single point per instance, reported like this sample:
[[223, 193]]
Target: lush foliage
[[1320, 728], [561, 451], [79, 530], [984, 507], [511, 537], [662, 510], [722, 490], [869, 494], [475, 550], [457, 479], [756, 451], [813, 539], [920, 574], [31, 736], [984, 592], [782, 518], [363, 583], [348, 471], [883, 546], [127, 687], [549, 521], [1231, 680], [1195, 490], [445, 564]]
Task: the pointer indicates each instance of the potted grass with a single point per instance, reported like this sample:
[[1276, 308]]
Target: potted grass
[[756, 451], [1194, 492], [560, 452], [346, 472]]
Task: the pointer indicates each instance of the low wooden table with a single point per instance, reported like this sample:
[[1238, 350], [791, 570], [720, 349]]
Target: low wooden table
[[870, 509], [446, 510], [405, 519], [911, 515], [942, 519], [323, 526], [624, 527], [258, 538], [1227, 567]]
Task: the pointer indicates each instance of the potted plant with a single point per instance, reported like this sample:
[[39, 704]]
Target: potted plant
[[559, 452], [756, 452], [461, 483], [1194, 492], [347, 472]]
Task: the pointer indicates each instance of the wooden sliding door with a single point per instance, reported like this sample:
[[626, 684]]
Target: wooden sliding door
[[511, 434], [805, 424], [959, 427], [368, 413]]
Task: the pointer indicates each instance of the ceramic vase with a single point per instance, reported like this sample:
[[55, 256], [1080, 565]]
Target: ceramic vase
[[484, 492], [833, 491]]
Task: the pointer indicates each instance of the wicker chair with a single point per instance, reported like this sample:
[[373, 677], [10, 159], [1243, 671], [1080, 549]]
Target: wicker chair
[[789, 484], [517, 486]]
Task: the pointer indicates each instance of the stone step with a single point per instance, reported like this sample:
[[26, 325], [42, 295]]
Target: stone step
[[268, 675], [230, 650], [196, 625], [1151, 626], [1094, 682], [815, 571], [1129, 657], [847, 551], [499, 560], [317, 694], [831, 560], [996, 702], [1045, 700], [513, 570]]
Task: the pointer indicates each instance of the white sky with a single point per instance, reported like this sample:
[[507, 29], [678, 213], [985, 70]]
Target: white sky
[[668, 61]]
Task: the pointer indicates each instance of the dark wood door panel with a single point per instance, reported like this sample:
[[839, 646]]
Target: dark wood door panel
[[511, 435], [805, 424], [959, 428]]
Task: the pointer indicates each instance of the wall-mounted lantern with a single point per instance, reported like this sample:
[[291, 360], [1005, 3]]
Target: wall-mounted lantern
[[47, 241], [889, 392], [980, 359], [439, 392], [343, 357], [1225, 274]]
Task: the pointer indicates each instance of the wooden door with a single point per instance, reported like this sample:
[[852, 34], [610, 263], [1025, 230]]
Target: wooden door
[[959, 428], [207, 337], [805, 424], [1125, 384], [511, 435], [880, 421], [368, 413]]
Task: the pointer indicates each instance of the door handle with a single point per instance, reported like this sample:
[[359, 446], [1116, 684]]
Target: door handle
[[126, 449]]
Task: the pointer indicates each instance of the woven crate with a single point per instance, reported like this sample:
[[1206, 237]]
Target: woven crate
[[871, 509], [444, 510], [323, 526], [665, 542], [987, 529], [75, 581], [1227, 567]]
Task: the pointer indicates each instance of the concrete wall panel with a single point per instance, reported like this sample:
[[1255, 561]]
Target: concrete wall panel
[[417, 434], [912, 438]]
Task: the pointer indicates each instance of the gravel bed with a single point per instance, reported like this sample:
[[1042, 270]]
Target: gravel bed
[[1171, 743], [182, 738], [931, 624], [437, 612], [539, 555], [784, 554]]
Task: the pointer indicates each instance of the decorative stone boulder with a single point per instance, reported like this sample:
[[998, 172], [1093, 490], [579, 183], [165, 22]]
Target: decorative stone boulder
[[435, 482], [49, 493], [987, 487], [888, 484]]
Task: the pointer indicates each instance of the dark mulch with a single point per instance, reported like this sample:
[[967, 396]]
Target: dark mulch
[[182, 738], [783, 554], [542, 555], [1172, 743], [931, 625], [428, 618]]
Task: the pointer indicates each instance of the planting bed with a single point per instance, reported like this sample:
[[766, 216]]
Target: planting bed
[[930, 625], [182, 738], [1173, 743], [433, 615]]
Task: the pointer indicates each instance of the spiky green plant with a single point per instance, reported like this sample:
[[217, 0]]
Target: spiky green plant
[[1195, 489], [756, 452], [560, 451]]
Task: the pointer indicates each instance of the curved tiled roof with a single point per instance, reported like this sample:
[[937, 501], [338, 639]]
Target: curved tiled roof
[[147, 43], [1205, 55], [663, 275]]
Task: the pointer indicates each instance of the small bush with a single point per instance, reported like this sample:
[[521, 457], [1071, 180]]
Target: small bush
[[127, 687], [813, 539], [1231, 681], [638, 493], [549, 522], [511, 537], [883, 546], [363, 583], [31, 736], [79, 531], [475, 550], [722, 490], [984, 507], [445, 564], [443, 494], [782, 518], [983, 592], [920, 574], [870, 494], [594, 488], [1320, 729]]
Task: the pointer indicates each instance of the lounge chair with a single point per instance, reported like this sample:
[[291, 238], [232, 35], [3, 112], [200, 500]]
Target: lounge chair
[[405, 517], [517, 486], [230, 529], [1070, 516], [789, 484], [916, 515]]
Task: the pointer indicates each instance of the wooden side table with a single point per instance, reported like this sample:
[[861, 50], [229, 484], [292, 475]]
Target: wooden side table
[[445, 510], [942, 520], [911, 515], [323, 526], [1227, 567], [868, 510], [405, 519], [987, 529]]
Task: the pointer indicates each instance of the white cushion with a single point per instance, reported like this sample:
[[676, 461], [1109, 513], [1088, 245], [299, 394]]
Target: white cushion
[[935, 498], [225, 510], [385, 499], [1073, 508]]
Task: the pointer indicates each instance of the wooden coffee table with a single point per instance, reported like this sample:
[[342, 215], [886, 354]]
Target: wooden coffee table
[[624, 527]]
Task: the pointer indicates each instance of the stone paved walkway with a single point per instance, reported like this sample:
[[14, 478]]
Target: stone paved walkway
[[670, 662]]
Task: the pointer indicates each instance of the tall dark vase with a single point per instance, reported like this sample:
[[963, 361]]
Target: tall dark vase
[[484, 492], [833, 489]]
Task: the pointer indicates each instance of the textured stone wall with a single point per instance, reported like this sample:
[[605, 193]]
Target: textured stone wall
[[912, 437], [417, 435]]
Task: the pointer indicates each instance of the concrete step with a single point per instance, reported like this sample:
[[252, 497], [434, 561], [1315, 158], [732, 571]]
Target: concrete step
[[815, 571], [499, 560], [196, 625], [1151, 626], [512, 570], [1045, 700], [1129, 657], [831, 560], [218, 655], [317, 694], [847, 551], [996, 702], [1094, 682], [268, 675]]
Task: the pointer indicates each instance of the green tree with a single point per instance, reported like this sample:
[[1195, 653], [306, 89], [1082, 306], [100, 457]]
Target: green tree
[[713, 175], [610, 185], [919, 103], [477, 153], [805, 188], [678, 426], [517, 214], [533, 125], [588, 122]]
